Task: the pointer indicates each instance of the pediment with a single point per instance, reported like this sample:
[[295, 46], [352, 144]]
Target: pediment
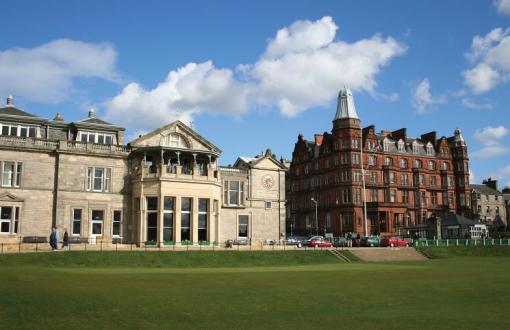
[[175, 135], [7, 197]]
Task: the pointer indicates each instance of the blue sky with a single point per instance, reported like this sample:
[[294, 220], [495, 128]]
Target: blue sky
[[252, 75]]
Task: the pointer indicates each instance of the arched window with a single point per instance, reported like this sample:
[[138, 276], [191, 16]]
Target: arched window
[[403, 163], [432, 165]]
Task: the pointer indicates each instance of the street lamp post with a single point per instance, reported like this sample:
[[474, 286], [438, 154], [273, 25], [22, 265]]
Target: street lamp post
[[316, 219], [364, 189]]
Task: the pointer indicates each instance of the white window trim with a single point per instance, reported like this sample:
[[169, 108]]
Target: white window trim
[[106, 179], [72, 221], [92, 222], [248, 232], [120, 223], [96, 137], [14, 174]]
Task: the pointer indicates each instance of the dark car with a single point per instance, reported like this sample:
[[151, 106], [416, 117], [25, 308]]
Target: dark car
[[371, 241]]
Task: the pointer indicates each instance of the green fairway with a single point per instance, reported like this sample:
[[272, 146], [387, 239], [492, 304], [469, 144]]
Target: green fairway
[[299, 289]]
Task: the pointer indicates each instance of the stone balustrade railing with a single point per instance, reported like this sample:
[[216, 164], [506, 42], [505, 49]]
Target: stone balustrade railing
[[233, 170], [35, 143]]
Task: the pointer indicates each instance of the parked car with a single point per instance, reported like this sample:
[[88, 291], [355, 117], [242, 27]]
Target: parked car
[[292, 241], [318, 241], [395, 241], [371, 241], [307, 240]]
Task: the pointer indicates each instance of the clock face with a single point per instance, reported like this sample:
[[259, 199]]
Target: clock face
[[267, 181]]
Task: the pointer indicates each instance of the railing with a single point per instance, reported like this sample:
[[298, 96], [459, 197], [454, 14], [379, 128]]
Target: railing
[[233, 170], [462, 242], [16, 141]]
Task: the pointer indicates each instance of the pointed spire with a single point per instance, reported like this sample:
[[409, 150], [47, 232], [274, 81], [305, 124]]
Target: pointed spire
[[345, 107], [458, 138]]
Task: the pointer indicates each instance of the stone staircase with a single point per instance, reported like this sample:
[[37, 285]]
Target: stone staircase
[[340, 256], [388, 254]]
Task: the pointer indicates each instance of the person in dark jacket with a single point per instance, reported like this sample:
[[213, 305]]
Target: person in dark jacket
[[65, 239], [53, 239]]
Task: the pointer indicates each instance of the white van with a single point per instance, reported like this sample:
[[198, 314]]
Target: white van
[[479, 231]]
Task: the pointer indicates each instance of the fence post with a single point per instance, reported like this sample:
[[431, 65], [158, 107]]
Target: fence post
[[116, 246], [36, 246], [457, 242], [19, 247], [2, 248]]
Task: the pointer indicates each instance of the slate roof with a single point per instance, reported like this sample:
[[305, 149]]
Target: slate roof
[[13, 111], [95, 121], [485, 190], [456, 219]]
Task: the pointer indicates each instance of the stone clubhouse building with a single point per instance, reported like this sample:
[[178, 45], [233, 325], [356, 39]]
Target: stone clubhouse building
[[164, 188]]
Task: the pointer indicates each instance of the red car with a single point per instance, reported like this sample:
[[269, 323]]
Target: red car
[[319, 242], [395, 241]]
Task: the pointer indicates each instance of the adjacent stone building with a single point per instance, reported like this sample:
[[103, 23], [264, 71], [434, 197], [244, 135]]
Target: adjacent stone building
[[489, 204], [165, 187], [402, 181]]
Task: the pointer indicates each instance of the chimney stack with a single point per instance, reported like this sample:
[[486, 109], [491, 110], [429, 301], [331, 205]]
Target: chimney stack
[[92, 113], [10, 101]]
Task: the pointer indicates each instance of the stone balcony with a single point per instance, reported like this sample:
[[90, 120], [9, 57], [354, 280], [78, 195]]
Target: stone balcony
[[177, 173], [21, 143]]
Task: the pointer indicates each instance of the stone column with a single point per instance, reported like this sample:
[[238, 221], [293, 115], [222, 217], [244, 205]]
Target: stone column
[[177, 219]]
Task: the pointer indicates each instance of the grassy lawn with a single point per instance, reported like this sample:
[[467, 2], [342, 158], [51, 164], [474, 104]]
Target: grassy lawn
[[250, 290]]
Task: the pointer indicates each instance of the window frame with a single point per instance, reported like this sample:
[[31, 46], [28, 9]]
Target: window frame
[[105, 179], [247, 218], [15, 176]]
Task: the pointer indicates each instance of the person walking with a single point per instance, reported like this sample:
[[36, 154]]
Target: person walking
[[53, 239], [65, 240]]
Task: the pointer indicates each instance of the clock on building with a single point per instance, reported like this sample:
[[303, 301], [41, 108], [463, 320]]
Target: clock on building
[[267, 181]]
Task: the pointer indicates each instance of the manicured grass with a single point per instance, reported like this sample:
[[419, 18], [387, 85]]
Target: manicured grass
[[454, 293], [168, 259], [466, 251]]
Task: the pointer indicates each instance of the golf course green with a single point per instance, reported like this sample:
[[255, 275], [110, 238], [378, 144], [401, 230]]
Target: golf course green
[[243, 290]]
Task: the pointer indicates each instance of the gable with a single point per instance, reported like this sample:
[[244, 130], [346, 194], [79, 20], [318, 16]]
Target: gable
[[175, 135], [267, 163]]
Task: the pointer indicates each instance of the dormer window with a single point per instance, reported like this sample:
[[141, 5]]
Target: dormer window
[[18, 130], [95, 137], [430, 149], [401, 146], [416, 147], [386, 144]]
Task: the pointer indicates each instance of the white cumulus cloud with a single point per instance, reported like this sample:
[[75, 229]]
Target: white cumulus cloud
[[490, 55], [490, 135], [502, 6], [490, 151], [302, 67], [185, 91], [46, 73], [422, 99]]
